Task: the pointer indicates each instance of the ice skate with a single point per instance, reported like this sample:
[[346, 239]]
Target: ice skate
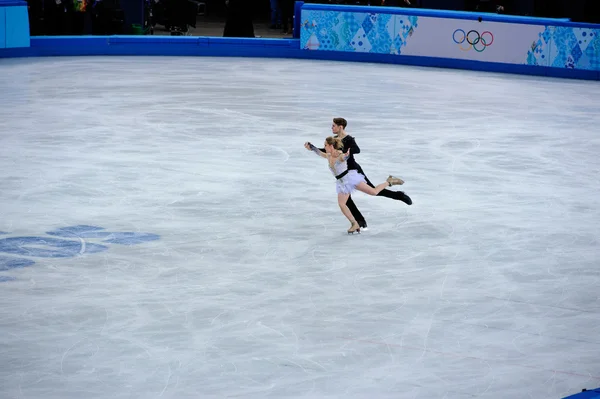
[[404, 197], [394, 181], [355, 228]]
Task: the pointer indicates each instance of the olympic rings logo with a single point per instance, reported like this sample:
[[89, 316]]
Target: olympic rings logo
[[476, 41]]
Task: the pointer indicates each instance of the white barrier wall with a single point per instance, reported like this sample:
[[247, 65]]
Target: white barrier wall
[[576, 46]]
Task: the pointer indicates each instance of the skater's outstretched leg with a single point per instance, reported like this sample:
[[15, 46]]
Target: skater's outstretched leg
[[342, 199], [397, 195], [365, 188]]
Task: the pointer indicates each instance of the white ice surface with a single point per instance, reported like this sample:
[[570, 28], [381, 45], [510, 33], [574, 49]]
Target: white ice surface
[[488, 286]]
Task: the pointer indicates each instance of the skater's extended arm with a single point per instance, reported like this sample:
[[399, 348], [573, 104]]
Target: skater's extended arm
[[314, 149]]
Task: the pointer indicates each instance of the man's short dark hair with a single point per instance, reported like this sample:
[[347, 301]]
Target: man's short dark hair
[[340, 122]]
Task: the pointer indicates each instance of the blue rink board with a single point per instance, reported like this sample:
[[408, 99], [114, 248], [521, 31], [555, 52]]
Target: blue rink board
[[467, 15], [588, 394], [282, 48], [250, 47], [14, 24]]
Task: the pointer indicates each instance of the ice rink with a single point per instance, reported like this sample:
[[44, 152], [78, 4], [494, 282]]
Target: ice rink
[[165, 234]]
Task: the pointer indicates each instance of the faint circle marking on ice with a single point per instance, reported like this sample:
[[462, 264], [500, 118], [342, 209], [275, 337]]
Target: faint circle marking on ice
[[130, 238], [461, 145], [81, 231], [266, 150], [85, 231], [46, 247], [7, 263]]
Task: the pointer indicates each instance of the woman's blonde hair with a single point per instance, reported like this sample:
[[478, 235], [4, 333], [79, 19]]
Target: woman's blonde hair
[[335, 142]]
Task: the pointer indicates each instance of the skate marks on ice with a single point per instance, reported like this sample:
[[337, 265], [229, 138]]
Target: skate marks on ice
[[256, 290], [64, 242]]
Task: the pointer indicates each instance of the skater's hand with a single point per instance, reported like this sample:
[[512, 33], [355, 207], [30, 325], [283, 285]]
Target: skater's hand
[[314, 149], [308, 145]]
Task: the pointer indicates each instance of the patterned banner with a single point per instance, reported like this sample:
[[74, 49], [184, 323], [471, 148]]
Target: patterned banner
[[566, 47], [554, 46]]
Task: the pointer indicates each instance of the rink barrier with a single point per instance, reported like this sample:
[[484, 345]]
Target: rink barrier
[[52, 46], [45, 46], [556, 44], [586, 394], [14, 24], [340, 50]]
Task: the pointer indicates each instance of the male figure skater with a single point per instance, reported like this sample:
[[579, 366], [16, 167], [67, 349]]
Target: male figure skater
[[339, 130]]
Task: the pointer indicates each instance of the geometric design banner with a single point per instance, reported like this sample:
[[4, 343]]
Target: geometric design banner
[[566, 47], [489, 41], [356, 32]]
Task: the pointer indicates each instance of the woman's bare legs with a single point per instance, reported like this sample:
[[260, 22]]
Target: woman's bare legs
[[365, 188], [342, 198], [391, 181]]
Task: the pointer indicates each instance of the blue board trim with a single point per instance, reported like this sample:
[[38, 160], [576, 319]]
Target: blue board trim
[[13, 3], [47, 41], [17, 26], [455, 64], [2, 28], [265, 48], [473, 16], [587, 394]]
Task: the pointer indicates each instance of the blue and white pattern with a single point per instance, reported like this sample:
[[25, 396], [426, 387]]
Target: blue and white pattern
[[356, 32], [539, 54], [384, 33], [566, 47]]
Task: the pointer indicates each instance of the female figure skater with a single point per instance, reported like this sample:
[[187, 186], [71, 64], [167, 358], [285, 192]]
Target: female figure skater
[[347, 180]]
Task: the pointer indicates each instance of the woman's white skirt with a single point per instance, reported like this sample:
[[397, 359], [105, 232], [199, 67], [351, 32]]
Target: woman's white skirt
[[348, 183]]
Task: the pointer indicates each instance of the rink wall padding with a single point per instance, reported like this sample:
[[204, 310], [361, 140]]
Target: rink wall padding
[[428, 38], [45, 46], [450, 35], [586, 394], [14, 24], [268, 48]]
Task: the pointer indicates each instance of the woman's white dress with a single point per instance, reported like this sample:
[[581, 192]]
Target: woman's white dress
[[348, 183]]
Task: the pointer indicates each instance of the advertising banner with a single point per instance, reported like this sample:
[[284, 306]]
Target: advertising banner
[[488, 41]]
